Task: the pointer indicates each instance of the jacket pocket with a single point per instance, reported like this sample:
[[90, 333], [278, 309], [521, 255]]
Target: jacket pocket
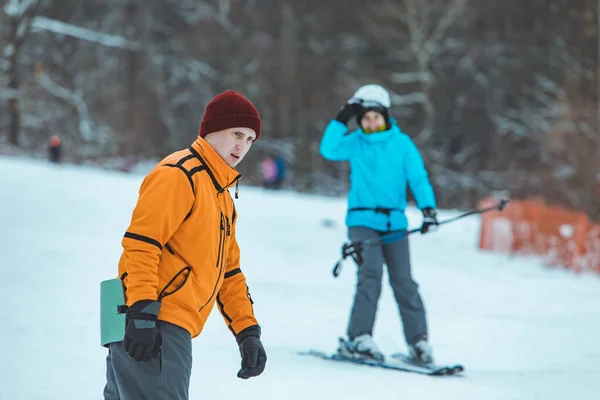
[[175, 283]]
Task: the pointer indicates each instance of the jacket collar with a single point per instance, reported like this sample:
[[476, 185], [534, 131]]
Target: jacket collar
[[222, 175], [380, 136]]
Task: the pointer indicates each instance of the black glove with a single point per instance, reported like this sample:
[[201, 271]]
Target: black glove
[[429, 219], [349, 110], [142, 337], [252, 351]]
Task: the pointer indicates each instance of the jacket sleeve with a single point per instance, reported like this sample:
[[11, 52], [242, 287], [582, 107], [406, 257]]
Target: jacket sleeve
[[233, 299], [336, 145], [417, 176], [165, 198]]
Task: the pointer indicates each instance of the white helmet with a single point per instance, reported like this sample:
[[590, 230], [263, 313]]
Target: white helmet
[[373, 93]]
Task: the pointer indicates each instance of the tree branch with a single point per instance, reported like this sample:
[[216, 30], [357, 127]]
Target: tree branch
[[451, 13], [73, 98], [411, 77], [89, 35], [410, 98]]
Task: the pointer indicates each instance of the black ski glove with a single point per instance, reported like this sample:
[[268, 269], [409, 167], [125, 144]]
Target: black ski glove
[[351, 109], [429, 219], [252, 351], [142, 337]]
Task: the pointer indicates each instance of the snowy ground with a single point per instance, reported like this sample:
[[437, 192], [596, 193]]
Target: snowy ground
[[523, 331]]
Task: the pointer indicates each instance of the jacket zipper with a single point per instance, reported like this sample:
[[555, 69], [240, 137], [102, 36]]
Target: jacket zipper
[[221, 240], [220, 257]]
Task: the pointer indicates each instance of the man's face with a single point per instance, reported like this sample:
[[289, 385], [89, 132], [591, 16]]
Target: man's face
[[372, 121], [232, 144]]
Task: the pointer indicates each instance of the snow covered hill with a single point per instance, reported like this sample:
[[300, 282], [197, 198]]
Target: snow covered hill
[[522, 331]]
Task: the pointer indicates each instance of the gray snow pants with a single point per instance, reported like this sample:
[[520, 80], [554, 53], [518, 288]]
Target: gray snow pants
[[164, 378], [396, 256]]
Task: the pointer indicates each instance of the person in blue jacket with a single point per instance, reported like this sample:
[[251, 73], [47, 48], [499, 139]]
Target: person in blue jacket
[[383, 160]]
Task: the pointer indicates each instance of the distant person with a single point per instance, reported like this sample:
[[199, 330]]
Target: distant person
[[281, 171], [383, 160], [181, 257], [269, 172], [54, 149]]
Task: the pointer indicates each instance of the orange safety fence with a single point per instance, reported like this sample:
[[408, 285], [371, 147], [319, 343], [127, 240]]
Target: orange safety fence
[[562, 237]]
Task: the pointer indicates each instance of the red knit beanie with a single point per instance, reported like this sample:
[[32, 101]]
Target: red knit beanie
[[230, 110]]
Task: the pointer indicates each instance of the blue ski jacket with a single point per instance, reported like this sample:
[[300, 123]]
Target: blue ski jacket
[[381, 166]]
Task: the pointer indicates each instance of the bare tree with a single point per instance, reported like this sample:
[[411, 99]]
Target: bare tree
[[497, 95], [421, 28], [17, 15], [94, 138]]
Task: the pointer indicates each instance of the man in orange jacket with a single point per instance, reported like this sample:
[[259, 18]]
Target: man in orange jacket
[[181, 257]]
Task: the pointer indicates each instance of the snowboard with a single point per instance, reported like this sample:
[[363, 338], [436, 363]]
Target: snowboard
[[396, 361]]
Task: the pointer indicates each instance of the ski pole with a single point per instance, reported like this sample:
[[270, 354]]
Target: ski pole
[[355, 249]]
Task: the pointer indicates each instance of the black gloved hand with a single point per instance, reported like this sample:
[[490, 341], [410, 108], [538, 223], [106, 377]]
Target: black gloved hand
[[349, 110], [429, 219], [142, 337], [252, 351]]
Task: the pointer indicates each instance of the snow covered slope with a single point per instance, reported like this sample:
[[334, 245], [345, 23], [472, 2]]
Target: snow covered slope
[[523, 331]]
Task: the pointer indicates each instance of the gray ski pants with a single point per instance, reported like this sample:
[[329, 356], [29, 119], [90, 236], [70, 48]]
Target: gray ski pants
[[396, 256], [166, 377]]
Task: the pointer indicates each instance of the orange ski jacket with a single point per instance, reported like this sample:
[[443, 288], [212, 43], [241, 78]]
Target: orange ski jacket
[[180, 247]]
